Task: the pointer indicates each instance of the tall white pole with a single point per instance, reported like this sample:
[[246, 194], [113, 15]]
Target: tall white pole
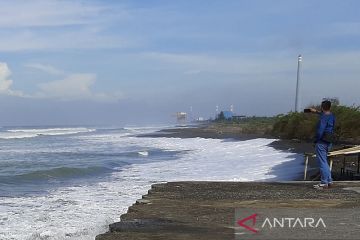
[[297, 102], [191, 113]]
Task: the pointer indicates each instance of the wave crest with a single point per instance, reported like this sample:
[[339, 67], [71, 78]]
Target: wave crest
[[56, 173], [29, 133]]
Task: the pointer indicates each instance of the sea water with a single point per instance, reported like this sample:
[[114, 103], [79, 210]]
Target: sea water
[[70, 183]]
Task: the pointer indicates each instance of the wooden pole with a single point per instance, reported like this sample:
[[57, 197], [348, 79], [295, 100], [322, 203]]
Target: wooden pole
[[306, 166], [331, 162]]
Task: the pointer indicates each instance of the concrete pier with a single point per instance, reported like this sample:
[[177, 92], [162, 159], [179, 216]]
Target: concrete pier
[[206, 210]]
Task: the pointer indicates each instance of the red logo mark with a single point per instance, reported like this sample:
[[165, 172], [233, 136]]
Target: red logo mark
[[241, 223]]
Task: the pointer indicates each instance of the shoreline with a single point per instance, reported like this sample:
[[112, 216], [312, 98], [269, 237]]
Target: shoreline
[[208, 131], [147, 218], [236, 133]]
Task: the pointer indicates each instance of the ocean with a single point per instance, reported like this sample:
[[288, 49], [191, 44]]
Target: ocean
[[71, 182]]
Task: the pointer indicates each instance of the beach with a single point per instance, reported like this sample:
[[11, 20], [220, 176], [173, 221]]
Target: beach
[[52, 178], [235, 132], [179, 119], [238, 133], [167, 211]]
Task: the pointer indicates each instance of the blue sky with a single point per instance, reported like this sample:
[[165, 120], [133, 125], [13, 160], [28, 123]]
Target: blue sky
[[137, 62]]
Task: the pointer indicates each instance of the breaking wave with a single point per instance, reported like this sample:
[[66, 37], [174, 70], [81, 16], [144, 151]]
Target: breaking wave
[[29, 133], [55, 174]]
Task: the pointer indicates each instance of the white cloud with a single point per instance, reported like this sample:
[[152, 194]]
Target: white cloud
[[54, 24], [267, 64], [5, 82], [84, 38], [75, 87], [72, 87], [192, 72], [223, 64], [45, 68], [35, 13]]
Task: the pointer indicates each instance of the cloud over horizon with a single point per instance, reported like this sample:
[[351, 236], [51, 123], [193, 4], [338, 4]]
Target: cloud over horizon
[[6, 82], [72, 87], [159, 57], [45, 68], [66, 25], [5, 73]]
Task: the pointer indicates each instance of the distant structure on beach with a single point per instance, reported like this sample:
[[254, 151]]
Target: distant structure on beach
[[238, 117], [201, 119], [228, 115], [216, 110], [181, 117], [191, 116]]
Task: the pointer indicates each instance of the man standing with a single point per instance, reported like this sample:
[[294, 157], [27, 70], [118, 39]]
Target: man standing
[[323, 141]]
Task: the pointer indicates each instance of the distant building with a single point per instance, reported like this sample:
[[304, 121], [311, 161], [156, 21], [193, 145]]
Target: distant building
[[181, 117], [200, 119], [228, 115], [238, 117]]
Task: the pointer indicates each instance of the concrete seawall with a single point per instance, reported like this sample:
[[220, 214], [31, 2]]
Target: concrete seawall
[[206, 210]]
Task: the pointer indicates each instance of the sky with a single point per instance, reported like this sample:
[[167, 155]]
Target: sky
[[69, 62]]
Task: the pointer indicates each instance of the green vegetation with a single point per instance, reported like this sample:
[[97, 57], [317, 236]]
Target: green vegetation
[[247, 125], [303, 125], [348, 122], [298, 125], [221, 117], [295, 125]]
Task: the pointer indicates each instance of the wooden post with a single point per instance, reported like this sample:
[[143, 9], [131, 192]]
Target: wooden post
[[331, 162], [306, 165], [344, 165]]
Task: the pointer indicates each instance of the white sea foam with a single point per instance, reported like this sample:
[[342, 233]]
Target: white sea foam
[[143, 153], [81, 212], [146, 130], [29, 133]]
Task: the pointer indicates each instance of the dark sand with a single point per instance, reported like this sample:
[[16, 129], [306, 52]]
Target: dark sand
[[207, 131]]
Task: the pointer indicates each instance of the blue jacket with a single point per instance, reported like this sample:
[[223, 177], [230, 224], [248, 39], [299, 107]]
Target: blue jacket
[[326, 124]]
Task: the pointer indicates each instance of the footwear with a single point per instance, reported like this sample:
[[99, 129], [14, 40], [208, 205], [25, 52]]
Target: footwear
[[321, 186], [330, 185]]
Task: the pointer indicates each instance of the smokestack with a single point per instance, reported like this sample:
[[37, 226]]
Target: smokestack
[[297, 102]]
